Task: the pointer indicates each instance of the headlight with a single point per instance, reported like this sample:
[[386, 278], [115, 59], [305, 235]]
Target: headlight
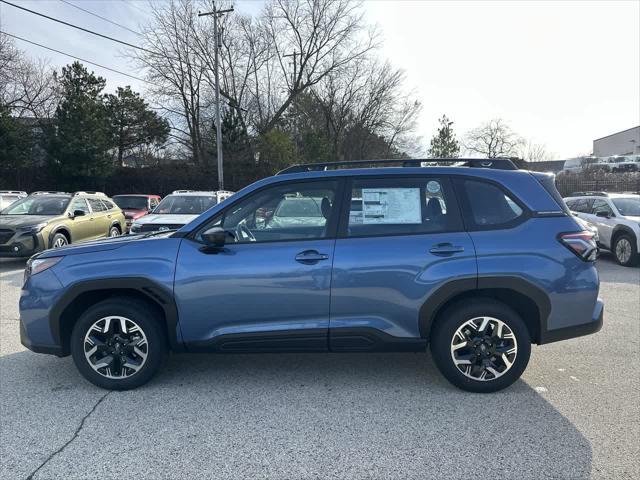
[[39, 265], [33, 228], [135, 228]]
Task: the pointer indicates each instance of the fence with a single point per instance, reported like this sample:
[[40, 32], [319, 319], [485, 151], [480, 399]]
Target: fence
[[629, 183]]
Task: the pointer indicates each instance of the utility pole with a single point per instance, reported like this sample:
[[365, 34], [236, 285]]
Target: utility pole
[[295, 67], [218, 39]]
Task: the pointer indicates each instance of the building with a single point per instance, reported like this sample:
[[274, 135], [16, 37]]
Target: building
[[626, 142]]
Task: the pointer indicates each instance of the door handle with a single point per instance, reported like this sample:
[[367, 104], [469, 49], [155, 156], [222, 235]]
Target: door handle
[[309, 257], [445, 249]]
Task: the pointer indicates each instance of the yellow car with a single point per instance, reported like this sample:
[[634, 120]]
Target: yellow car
[[55, 219]]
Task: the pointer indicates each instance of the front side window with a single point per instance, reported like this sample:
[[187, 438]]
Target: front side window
[[80, 204], [38, 205], [581, 205], [600, 206], [488, 206], [293, 211], [401, 206]]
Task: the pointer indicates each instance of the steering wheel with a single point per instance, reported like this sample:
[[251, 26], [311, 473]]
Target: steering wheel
[[243, 233]]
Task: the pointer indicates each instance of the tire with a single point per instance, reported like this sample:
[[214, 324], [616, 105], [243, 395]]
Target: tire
[[625, 249], [150, 341], [59, 240], [114, 232], [444, 336]]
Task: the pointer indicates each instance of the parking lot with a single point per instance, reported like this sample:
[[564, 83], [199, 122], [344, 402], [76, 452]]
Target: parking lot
[[574, 414]]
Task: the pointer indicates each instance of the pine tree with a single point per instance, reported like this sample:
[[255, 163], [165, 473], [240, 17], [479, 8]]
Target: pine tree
[[444, 143]]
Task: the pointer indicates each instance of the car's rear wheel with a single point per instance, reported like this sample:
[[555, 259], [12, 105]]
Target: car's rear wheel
[[114, 231], [625, 250], [118, 344], [59, 240], [480, 345]]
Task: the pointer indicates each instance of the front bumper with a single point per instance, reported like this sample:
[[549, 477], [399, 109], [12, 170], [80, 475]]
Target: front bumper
[[39, 348], [592, 326], [22, 245]]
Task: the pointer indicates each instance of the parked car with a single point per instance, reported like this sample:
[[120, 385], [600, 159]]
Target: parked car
[[178, 209], [55, 219], [7, 197], [136, 206], [617, 217], [506, 266]]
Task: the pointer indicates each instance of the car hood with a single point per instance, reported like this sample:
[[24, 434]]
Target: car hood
[[166, 219], [99, 245], [16, 221], [133, 213]]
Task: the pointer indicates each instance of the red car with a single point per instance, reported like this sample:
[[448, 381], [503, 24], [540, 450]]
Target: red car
[[135, 206]]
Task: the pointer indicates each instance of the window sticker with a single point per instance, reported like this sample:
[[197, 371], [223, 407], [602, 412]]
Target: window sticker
[[433, 186], [391, 206]]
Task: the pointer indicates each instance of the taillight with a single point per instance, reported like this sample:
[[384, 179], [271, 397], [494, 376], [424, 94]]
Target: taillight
[[583, 244]]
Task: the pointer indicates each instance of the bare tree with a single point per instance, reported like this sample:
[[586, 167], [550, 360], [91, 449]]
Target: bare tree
[[534, 152], [175, 70], [27, 87], [493, 139]]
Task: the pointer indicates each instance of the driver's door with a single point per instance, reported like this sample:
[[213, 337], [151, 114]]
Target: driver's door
[[269, 288]]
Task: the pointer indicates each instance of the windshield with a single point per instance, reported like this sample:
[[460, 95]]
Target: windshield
[[299, 207], [130, 202], [629, 206], [38, 205], [185, 205]]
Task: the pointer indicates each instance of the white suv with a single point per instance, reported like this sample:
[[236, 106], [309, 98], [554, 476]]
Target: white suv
[[617, 217], [7, 197], [178, 209]]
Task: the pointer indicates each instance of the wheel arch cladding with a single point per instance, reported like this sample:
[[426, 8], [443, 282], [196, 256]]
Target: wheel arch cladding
[[61, 229], [528, 301], [79, 297], [620, 230]]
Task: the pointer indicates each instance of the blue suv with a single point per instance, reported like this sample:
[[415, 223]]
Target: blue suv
[[478, 260]]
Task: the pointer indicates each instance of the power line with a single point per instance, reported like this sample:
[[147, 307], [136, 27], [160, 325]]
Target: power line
[[81, 28], [100, 17], [78, 58]]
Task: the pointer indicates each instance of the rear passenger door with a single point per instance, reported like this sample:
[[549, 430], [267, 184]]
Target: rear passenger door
[[101, 221], [400, 239]]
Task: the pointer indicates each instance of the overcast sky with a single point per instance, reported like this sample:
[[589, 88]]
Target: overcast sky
[[559, 73]]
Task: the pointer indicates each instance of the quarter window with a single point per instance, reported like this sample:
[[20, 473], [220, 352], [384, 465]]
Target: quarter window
[[489, 206], [401, 206]]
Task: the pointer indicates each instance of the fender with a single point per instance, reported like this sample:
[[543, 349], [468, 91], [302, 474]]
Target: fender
[[158, 294], [116, 223], [620, 229], [58, 229], [453, 288]]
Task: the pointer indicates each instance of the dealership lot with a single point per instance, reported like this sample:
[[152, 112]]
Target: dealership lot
[[574, 414]]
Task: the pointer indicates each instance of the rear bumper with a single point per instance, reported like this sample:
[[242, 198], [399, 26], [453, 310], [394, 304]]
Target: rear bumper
[[592, 326]]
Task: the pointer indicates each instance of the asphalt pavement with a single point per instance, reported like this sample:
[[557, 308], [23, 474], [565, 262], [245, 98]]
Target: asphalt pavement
[[574, 414]]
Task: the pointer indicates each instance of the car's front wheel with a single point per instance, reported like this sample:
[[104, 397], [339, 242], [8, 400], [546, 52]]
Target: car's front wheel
[[59, 240], [625, 250], [118, 344], [480, 345]]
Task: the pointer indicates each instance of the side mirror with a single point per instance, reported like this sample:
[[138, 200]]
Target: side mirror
[[214, 237], [603, 213], [76, 213]]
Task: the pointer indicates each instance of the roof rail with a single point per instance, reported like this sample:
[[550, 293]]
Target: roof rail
[[589, 194], [89, 192], [182, 191], [48, 192], [13, 192], [495, 163]]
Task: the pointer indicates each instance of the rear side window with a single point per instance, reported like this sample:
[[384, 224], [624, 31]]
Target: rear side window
[[96, 205], [488, 206], [402, 206]]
